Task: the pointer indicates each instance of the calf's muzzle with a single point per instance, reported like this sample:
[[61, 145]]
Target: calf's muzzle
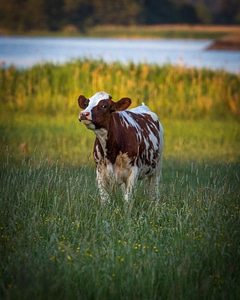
[[84, 116]]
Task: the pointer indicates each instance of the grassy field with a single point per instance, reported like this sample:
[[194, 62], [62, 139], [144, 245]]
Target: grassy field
[[57, 241]]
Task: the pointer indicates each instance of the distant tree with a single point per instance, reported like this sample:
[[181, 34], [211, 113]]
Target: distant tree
[[10, 14], [122, 12], [33, 15], [54, 11], [23, 15], [78, 13], [229, 12], [204, 13], [158, 12], [187, 14]]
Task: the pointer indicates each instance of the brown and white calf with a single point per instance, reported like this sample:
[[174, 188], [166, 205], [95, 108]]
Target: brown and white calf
[[128, 143]]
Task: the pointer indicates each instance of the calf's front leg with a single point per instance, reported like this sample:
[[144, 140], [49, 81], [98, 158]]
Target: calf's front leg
[[154, 181], [103, 186]]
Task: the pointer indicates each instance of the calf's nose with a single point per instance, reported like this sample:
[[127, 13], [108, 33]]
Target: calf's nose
[[84, 116]]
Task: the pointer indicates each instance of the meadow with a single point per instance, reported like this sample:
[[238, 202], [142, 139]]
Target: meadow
[[58, 241]]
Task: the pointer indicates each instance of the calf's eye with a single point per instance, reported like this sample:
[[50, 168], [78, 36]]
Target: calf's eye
[[104, 105]]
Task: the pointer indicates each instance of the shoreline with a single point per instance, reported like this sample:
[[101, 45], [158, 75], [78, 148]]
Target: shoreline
[[230, 42], [222, 37], [151, 31]]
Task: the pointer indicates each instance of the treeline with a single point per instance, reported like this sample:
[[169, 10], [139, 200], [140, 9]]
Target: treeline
[[25, 15]]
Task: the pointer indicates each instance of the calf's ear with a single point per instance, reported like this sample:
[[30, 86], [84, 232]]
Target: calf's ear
[[83, 101], [123, 104]]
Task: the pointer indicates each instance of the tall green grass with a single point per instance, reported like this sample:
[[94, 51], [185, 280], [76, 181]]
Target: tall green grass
[[174, 92], [64, 138], [57, 241]]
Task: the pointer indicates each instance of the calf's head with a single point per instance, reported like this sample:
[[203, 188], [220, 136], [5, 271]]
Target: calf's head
[[97, 109]]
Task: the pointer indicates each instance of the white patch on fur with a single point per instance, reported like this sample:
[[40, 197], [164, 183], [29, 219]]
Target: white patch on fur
[[144, 109], [127, 119], [102, 137]]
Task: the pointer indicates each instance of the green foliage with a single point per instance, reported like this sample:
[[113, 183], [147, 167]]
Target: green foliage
[[203, 13]]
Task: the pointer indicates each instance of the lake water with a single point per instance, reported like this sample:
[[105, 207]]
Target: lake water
[[24, 52]]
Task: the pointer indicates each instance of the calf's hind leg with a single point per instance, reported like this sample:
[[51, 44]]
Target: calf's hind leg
[[153, 187], [153, 182]]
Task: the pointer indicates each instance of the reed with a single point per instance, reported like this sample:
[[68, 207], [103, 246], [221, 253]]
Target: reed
[[171, 91]]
